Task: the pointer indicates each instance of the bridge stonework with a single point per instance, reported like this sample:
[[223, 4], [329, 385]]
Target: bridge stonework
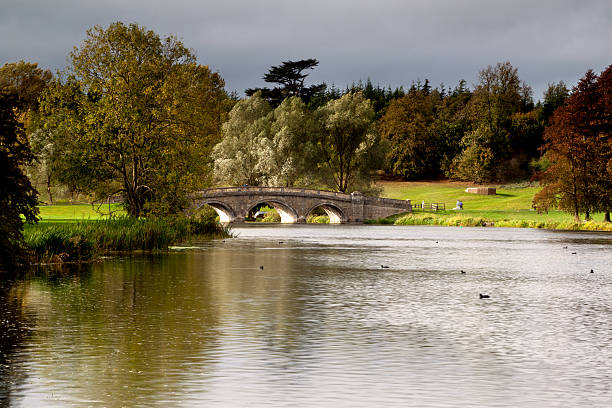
[[294, 204]]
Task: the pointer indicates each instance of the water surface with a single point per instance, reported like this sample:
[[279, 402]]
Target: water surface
[[322, 324]]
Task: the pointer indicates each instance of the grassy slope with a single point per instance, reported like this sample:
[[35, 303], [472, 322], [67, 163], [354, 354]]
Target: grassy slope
[[510, 203]]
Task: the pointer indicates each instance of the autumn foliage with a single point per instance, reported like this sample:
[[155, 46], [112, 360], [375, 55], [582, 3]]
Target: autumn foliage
[[578, 145]]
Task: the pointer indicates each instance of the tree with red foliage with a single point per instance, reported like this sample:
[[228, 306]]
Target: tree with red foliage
[[605, 135], [578, 146]]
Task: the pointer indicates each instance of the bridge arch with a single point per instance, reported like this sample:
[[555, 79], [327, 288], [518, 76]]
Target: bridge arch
[[287, 213], [225, 212], [336, 214], [294, 204]]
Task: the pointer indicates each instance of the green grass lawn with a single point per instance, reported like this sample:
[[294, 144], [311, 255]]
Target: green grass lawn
[[73, 212], [509, 204], [449, 192]]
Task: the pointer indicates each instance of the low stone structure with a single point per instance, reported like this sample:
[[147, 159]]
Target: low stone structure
[[294, 204], [481, 190]]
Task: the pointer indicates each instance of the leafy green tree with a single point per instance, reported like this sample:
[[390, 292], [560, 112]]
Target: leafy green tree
[[476, 160], [61, 134], [335, 147], [288, 157], [348, 145], [137, 113], [527, 129], [17, 196], [497, 97], [555, 96], [262, 146], [246, 132], [379, 96], [26, 81], [414, 150], [290, 77], [451, 124]]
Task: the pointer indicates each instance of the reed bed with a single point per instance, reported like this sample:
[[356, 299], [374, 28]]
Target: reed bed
[[85, 240], [475, 221]]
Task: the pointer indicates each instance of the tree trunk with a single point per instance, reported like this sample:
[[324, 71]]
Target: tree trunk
[[49, 190], [607, 216], [133, 204]]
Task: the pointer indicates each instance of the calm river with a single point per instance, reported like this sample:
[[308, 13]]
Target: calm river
[[322, 324]]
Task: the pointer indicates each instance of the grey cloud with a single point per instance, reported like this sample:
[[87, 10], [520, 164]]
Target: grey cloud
[[392, 42]]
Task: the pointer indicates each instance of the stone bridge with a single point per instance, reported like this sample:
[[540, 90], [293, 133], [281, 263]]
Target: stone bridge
[[233, 204]]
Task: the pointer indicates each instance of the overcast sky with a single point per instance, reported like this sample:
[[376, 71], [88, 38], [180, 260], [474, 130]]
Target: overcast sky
[[393, 42]]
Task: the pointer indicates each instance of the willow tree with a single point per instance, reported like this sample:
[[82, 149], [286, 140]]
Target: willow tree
[[348, 146], [142, 120], [246, 130], [288, 157]]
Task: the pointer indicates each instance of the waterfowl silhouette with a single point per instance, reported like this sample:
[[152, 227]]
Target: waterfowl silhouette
[[484, 296], [384, 266], [462, 271], [592, 271], [261, 267]]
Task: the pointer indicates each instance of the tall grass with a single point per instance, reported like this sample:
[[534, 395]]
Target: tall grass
[[85, 240], [476, 221]]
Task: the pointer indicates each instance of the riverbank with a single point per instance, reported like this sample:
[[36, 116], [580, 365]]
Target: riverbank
[[473, 219], [510, 207], [86, 240]]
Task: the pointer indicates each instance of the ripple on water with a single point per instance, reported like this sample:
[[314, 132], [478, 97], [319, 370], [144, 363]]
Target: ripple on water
[[323, 324]]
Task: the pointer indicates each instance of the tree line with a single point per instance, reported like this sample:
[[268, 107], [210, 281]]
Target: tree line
[[490, 133]]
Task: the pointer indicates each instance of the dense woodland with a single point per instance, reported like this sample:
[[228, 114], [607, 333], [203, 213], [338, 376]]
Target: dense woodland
[[136, 116]]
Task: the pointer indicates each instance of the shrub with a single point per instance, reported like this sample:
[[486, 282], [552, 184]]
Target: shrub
[[271, 216], [317, 219]]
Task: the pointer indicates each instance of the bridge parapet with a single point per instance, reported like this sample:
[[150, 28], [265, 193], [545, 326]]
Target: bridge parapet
[[223, 191], [386, 202]]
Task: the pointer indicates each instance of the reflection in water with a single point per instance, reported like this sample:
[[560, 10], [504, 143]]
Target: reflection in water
[[322, 324], [14, 330]]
